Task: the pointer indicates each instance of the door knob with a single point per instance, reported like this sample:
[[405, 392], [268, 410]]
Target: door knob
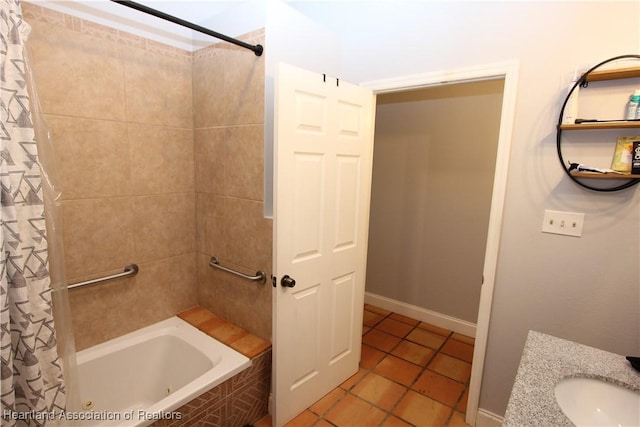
[[287, 281]]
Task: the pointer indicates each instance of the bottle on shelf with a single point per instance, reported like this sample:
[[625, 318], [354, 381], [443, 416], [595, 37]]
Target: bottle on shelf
[[632, 106]]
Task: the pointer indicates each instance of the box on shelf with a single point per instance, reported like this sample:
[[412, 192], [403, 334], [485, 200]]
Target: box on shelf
[[635, 160], [624, 154]]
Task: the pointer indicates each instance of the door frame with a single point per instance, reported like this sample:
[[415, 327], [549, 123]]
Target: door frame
[[509, 72]]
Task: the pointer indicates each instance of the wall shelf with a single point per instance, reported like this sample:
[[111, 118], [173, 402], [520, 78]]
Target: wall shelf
[[619, 73], [608, 175], [622, 124], [597, 74]]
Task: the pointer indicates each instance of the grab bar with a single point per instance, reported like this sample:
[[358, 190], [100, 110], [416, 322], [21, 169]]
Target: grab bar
[[259, 277], [129, 270]]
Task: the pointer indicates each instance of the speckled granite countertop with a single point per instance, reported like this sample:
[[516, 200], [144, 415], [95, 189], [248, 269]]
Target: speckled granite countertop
[[545, 361]]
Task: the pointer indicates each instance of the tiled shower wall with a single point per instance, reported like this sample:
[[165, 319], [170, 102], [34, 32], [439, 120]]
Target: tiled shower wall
[[121, 113], [228, 84]]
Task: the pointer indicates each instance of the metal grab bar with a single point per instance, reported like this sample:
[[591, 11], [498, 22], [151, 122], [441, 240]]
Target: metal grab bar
[[259, 277], [129, 270]]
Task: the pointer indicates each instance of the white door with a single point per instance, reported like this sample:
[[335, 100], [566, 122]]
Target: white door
[[323, 159]]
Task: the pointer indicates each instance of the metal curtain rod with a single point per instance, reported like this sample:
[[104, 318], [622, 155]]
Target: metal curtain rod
[[257, 49]]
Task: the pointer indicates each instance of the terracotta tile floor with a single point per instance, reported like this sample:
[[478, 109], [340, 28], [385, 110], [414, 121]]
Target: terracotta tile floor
[[411, 374]]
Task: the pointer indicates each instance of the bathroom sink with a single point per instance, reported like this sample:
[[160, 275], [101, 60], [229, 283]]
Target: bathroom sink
[[591, 402]]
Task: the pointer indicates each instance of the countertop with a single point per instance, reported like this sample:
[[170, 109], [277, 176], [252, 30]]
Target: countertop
[[545, 361]]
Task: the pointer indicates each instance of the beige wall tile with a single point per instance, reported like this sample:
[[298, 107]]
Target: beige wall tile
[[230, 161], [166, 287], [92, 157], [202, 207], [228, 88], [244, 171], [98, 235], [108, 310], [234, 229], [143, 185], [161, 159], [158, 89], [164, 225], [248, 304], [210, 149], [98, 312], [249, 234], [210, 97], [212, 234], [77, 74], [245, 80], [229, 150], [235, 299], [32, 12], [211, 291]]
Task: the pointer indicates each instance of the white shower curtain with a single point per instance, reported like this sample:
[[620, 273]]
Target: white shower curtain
[[32, 386]]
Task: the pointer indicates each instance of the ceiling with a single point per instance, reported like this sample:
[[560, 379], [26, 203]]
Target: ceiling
[[366, 19], [229, 17]]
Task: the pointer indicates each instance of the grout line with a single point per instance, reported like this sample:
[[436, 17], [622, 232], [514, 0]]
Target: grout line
[[407, 389], [437, 351]]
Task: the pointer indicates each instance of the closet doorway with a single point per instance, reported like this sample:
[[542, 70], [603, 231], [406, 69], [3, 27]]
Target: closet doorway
[[441, 156], [433, 168]]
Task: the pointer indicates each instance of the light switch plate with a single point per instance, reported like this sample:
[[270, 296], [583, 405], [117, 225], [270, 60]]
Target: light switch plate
[[565, 223]]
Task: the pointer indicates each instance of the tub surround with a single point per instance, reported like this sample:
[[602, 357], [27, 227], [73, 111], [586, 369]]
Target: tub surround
[[185, 363], [135, 127], [160, 159], [235, 337], [242, 399], [120, 112], [546, 360]]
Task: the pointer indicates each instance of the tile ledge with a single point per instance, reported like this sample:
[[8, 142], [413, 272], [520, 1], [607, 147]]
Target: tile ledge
[[242, 341]]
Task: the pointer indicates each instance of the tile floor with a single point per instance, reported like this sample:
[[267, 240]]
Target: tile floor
[[411, 374]]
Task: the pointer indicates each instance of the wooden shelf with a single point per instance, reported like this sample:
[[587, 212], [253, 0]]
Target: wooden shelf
[[585, 179], [609, 175], [620, 73], [623, 124]]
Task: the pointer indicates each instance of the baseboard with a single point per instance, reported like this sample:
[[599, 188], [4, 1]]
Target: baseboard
[[438, 319], [485, 418]]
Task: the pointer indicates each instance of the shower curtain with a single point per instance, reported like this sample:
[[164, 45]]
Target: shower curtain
[[31, 375]]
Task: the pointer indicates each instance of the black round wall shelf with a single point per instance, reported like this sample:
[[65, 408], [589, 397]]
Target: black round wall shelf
[[583, 81]]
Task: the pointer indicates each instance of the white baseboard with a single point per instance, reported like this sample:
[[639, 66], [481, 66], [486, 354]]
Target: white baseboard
[[485, 418], [438, 319]]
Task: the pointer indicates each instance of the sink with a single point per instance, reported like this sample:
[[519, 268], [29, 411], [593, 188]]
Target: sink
[[592, 402]]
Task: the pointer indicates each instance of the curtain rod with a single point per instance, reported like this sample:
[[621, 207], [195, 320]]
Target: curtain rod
[[257, 49]]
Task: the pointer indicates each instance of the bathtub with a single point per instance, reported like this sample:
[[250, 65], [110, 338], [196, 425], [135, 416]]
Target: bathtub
[[142, 377]]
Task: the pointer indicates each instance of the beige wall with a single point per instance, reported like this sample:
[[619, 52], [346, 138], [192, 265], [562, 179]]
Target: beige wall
[[121, 113], [433, 167], [229, 151], [582, 289]]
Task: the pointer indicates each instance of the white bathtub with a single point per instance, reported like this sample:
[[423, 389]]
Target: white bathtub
[[138, 378]]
